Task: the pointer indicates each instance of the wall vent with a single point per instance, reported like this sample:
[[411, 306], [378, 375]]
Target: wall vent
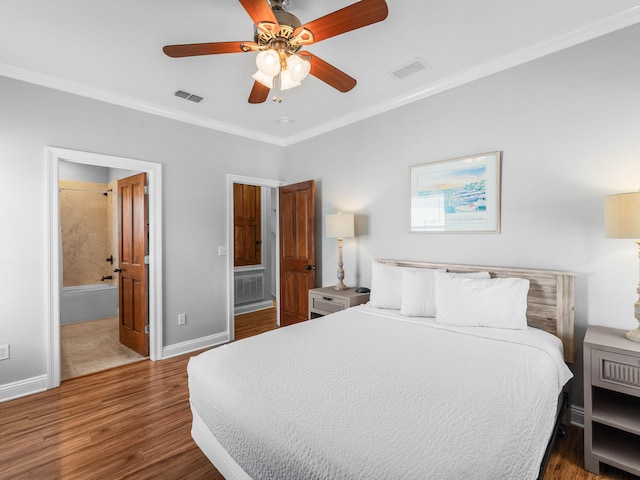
[[189, 96], [249, 288], [410, 68]]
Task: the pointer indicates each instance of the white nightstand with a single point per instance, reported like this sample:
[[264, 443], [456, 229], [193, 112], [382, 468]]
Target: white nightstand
[[323, 301], [611, 400]]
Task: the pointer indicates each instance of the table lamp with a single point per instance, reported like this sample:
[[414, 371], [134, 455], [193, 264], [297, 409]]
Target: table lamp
[[340, 225], [622, 220]]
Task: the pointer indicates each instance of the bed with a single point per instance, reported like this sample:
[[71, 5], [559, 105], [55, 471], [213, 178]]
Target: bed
[[418, 391]]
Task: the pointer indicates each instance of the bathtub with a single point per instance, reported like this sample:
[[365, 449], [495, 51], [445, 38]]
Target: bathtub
[[88, 302]]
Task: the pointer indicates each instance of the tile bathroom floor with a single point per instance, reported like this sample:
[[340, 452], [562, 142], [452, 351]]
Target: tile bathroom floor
[[88, 347]]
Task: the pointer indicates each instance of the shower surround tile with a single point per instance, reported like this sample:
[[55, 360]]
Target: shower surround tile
[[86, 224]]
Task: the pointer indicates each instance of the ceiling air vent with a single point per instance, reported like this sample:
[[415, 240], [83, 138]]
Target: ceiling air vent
[[189, 96], [410, 68]]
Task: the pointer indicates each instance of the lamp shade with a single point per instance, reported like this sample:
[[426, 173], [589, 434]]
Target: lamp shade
[[263, 79], [268, 62], [299, 68], [622, 215], [339, 225], [286, 82]]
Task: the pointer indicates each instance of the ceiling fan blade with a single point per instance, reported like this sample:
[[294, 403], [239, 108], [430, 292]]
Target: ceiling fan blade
[[357, 15], [259, 93], [194, 49], [329, 74], [260, 11]]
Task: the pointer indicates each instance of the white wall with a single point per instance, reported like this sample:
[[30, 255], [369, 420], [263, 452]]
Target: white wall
[[195, 163], [569, 129]]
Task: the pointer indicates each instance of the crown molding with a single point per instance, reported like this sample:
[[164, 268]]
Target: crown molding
[[132, 103]]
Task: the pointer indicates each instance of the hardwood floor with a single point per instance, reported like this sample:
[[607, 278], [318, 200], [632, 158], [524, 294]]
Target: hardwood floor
[[566, 461], [249, 324], [133, 422]]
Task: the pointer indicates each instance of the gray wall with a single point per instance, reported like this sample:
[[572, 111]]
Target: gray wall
[[195, 163], [569, 129]]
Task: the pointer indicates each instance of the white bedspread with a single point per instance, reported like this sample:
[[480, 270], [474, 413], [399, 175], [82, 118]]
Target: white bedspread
[[368, 394]]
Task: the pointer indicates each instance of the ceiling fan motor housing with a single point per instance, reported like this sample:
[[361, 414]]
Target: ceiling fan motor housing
[[280, 41], [287, 18]]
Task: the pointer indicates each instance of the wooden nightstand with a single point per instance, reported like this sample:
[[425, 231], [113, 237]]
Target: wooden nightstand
[[611, 400], [323, 301]]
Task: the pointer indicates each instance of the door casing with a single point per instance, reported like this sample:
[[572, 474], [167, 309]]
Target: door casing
[[262, 182], [154, 176]]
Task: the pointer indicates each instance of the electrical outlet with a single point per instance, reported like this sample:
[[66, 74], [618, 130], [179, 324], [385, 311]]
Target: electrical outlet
[[4, 352], [182, 318]]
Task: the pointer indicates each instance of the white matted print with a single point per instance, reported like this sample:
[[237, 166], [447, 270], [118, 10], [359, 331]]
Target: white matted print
[[459, 195]]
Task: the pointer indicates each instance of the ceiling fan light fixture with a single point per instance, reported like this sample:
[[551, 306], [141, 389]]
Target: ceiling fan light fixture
[[268, 62], [265, 80], [299, 67]]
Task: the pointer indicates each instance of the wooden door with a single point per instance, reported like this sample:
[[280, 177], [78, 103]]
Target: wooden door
[[297, 250], [247, 222], [133, 275]]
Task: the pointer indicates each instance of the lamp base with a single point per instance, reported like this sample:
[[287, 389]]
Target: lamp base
[[634, 335], [342, 286]]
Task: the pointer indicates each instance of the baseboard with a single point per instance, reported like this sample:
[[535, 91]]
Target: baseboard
[[253, 307], [193, 345], [22, 388], [577, 416]]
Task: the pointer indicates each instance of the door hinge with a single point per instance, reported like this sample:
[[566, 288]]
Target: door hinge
[[146, 329], [146, 259], [146, 189]]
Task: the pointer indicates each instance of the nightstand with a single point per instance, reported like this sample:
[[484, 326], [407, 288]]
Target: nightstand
[[611, 400], [323, 301]]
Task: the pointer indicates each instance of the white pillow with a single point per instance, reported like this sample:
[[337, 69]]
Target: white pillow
[[386, 286], [418, 292], [495, 302], [467, 274]]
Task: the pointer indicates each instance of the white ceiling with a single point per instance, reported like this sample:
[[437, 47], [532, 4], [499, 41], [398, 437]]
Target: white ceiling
[[112, 51]]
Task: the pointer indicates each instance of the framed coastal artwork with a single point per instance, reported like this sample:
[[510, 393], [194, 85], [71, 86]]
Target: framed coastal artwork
[[460, 195]]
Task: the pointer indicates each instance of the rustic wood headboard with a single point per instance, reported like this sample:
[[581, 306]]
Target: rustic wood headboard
[[549, 304]]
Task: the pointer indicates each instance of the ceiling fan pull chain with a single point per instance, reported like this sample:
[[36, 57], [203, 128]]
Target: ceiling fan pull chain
[[277, 90]]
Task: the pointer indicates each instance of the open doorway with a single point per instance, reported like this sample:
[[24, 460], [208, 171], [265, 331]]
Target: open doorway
[[154, 258], [90, 296], [255, 219], [294, 247], [254, 272]]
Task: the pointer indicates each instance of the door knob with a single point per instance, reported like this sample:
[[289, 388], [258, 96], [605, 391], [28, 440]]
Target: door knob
[[310, 267]]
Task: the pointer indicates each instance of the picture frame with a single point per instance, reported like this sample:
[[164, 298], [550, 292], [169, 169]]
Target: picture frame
[[461, 195]]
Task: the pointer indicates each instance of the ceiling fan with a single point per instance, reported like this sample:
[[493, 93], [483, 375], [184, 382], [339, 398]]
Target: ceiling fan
[[279, 39]]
